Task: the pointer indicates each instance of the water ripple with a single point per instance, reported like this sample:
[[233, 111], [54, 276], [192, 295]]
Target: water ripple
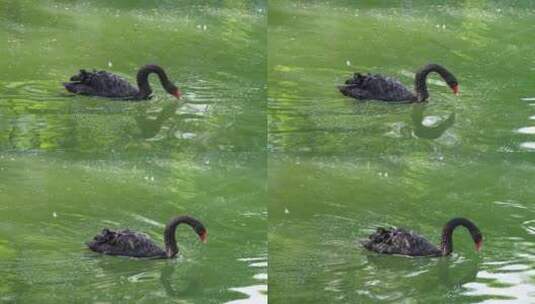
[[256, 294], [526, 130], [528, 145]]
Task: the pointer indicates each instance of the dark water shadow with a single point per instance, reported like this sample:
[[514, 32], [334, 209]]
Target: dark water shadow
[[441, 271], [179, 288], [150, 124], [151, 271]]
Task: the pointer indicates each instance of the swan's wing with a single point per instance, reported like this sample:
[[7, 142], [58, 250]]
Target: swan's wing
[[136, 244], [126, 243], [410, 243], [385, 88], [109, 85], [112, 85], [400, 241]]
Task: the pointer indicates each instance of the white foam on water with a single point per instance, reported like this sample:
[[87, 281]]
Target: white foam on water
[[430, 121], [526, 130], [252, 259], [257, 294], [529, 145]]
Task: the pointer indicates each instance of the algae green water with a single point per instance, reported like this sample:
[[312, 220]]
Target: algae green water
[[315, 46], [335, 168], [70, 166], [339, 168]]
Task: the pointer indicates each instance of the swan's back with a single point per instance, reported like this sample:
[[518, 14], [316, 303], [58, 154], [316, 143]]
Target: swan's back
[[100, 83], [125, 243], [376, 87], [400, 241]]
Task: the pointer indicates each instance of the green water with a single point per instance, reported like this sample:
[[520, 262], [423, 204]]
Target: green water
[[314, 47], [70, 166], [261, 129], [339, 168]]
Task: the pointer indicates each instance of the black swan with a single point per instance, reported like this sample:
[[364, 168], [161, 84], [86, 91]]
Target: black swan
[[378, 87], [403, 242], [106, 84], [133, 244]]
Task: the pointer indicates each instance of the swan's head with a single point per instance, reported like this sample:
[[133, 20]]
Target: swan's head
[[478, 240], [172, 89], [201, 232], [452, 82], [454, 87], [475, 233], [175, 92]]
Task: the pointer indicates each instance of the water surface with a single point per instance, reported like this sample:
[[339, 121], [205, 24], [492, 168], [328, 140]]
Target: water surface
[[321, 207], [339, 168], [317, 45], [72, 165]]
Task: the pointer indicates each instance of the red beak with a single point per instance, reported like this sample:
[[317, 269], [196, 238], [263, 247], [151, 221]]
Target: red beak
[[177, 93], [455, 89], [479, 245], [203, 236]]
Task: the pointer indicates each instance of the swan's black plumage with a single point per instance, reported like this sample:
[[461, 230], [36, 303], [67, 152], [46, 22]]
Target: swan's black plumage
[[107, 84], [405, 242], [378, 87], [126, 243], [134, 244]]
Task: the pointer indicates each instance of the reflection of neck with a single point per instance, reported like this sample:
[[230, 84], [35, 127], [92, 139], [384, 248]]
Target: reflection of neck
[[148, 125], [431, 132]]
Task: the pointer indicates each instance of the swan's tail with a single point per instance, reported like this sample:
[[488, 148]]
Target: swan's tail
[[79, 88], [355, 82], [346, 89]]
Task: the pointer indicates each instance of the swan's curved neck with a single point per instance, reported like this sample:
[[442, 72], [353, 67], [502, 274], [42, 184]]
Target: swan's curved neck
[[171, 247], [143, 80], [421, 77], [446, 245]]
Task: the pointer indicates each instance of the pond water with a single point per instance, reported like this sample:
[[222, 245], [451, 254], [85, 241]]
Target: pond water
[[70, 166], [335, 168], [339, 168], [315, 46]]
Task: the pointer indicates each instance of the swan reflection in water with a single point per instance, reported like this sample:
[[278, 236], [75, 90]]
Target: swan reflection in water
[[150, 123], [446, 272], [429, 132]]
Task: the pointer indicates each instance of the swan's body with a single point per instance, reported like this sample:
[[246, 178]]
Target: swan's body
[[125, 242], [107, 84], [378, 87], [134, 244], [404, 242]]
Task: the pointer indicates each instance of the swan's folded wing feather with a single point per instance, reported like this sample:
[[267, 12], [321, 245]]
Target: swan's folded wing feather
[[110, 85]]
